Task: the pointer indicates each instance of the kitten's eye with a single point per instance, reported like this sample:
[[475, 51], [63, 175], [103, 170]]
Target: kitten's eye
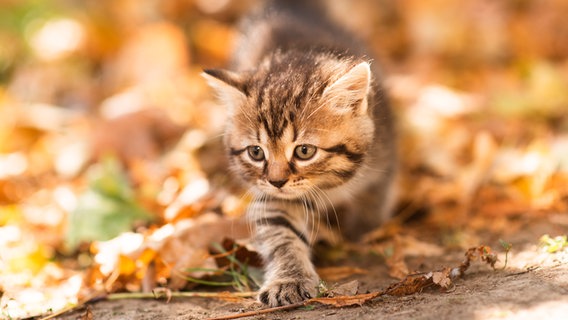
[[305, 151], [255, 153]]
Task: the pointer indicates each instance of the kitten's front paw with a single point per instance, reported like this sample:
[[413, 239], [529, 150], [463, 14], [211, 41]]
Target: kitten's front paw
[[279, 293]]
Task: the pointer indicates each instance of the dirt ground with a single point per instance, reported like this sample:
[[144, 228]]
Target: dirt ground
[[534, 285]]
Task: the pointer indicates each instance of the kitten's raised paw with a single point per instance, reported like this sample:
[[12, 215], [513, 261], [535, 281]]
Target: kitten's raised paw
[[285, 292]]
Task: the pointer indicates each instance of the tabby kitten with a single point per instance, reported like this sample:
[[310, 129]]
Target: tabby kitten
[[311, 132]]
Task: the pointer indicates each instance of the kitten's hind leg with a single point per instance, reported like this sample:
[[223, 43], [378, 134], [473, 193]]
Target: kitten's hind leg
[[290, 276]]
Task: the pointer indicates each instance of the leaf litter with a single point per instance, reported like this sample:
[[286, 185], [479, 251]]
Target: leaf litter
[[442, 279]]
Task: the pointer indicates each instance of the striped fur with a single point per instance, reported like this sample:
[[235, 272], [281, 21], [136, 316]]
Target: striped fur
[[311, 134]]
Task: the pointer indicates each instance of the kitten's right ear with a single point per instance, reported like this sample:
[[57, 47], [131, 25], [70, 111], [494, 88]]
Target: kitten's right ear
[[350, 91], [230, 86]]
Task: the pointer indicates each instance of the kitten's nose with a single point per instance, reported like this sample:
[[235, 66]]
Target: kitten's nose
[[278, 183]]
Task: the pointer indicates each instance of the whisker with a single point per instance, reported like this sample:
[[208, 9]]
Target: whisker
[[307, 212], [321, 208], [323, 194], [310, 214]]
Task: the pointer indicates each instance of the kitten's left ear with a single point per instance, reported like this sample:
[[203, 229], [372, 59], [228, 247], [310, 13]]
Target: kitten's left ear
[[349, 92], [230, 86]]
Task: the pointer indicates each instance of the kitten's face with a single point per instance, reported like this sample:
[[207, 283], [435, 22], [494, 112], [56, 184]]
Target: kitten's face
[[291, 134]]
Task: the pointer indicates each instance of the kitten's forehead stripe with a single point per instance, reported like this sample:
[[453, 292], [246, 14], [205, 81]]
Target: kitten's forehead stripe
[[262, 91], [342, 150], [277, 105]]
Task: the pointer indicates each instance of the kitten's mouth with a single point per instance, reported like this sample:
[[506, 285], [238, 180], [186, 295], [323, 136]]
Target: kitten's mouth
[[282, 193]]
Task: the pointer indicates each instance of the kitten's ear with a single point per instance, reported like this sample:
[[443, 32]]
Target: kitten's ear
[[230, 86], [349, 92]]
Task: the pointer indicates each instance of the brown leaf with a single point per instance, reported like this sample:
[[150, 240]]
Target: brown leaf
[[397, 267], [345, 301], [350, 288], [442, 278], [333, 274], [241, 253], [411, 284]]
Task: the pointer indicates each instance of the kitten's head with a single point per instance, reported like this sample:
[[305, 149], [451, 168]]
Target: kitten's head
[[296, 125]]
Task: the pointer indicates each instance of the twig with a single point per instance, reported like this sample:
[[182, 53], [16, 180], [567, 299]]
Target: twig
[[262, 311]]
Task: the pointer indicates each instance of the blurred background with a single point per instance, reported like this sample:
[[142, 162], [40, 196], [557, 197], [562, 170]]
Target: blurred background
[[107, 129]]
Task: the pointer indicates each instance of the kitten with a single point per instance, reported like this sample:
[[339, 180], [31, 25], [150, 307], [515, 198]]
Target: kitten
[[310, 131]]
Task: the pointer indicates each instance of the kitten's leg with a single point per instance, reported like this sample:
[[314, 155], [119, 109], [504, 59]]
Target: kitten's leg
[[290, 276]]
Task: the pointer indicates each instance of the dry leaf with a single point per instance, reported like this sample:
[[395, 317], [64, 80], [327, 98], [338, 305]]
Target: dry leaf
[[397, 267], [345, 301], [350, 288], [238, 252], [442, 278], [411, 284], [333, 274]]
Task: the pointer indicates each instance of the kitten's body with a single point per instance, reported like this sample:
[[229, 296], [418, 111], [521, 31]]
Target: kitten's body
[[311, 132]]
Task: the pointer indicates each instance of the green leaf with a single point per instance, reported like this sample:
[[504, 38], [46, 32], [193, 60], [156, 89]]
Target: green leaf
[[553, 245], [107, 208]]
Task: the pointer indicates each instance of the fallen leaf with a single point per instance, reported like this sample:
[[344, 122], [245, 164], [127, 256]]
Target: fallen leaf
[[350, 288], [409, 285], [333, 274], [345, 301], [107, 208], [442, 278], [236, 251], [397, 267]]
